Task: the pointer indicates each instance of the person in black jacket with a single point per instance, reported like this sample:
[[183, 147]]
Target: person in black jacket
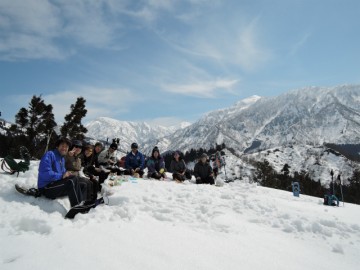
[[95, 169], [203, 171], [178, 168]]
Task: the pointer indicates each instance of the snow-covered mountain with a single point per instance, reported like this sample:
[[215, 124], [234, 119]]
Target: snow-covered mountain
[[129, 132], [4, 126], [309, 116]]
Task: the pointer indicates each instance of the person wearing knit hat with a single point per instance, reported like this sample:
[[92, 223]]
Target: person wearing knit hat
[[156, 165], [203, 171]]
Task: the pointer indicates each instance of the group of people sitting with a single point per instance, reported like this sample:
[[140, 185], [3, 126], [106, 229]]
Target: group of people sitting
[[77, 171]]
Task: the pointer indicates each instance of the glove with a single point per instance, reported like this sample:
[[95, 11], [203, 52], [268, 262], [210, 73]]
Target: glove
[[162, 171]]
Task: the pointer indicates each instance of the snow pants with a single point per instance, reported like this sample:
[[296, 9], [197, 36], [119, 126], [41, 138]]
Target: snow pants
[[69, 186], [208, 180]]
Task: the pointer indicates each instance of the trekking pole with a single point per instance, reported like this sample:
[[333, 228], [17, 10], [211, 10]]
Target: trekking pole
[[342, 195], [332, 182], [225, 170]]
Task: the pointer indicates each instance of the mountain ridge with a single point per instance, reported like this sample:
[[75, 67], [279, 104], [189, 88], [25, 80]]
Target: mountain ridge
[[311, 116]]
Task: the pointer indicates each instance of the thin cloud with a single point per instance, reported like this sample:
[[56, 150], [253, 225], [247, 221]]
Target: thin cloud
[[235, 43], [299, 44], [99, 101], [204, 89]]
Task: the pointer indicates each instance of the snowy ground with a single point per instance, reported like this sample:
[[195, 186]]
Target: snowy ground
[[164, 225]]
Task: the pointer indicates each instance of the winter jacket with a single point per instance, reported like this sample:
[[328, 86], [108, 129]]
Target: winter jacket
[[72, 163], [155, 164], [52, 168], [86, 163], [177, 166], [134, 161], [202, 170], [105, 156]]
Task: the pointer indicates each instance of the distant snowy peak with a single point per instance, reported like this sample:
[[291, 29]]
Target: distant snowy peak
[[309, 116], [104, 128]]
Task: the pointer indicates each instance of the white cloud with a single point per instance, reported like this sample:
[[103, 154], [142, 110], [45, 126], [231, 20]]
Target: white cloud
[[50, 29], [108, 102], [99, 101], [234, 42], [201, 89]]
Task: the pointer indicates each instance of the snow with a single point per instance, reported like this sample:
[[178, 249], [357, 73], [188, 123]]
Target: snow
[[164, 225], [318, 161]]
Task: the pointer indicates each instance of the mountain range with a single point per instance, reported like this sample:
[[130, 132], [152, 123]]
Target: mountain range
[[308, 116]]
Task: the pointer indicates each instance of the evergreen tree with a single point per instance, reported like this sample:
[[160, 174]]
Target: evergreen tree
[[286, 170], [264, 174], [36, 122], [73, 127]]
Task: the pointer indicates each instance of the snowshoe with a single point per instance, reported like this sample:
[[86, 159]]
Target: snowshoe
[[29, 192]]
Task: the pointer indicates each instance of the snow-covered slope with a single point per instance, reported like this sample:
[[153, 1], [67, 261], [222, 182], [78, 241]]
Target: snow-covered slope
[[129, 132], [164, 225], [4, 126], [309, 116]]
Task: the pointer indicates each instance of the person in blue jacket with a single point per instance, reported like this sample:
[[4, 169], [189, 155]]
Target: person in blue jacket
[[135, 162], [156, 165], [54, 181]]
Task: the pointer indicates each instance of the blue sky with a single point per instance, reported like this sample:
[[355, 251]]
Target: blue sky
[[169, 61]]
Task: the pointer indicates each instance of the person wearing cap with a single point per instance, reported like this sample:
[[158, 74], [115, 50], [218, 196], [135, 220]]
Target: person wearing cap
[[107, 158], [203, 171], [54, 181], [73, 165], [135, 162], [178, 168], [156, 165]]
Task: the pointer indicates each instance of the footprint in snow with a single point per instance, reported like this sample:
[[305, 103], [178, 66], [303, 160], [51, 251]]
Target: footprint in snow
[[338, 249]]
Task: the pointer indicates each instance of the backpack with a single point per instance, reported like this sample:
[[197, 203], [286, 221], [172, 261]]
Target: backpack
[[10, 166]]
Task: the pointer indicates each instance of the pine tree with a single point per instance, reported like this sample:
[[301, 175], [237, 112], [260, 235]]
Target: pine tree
[[36, 122], [286, 170], [73, 127]]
